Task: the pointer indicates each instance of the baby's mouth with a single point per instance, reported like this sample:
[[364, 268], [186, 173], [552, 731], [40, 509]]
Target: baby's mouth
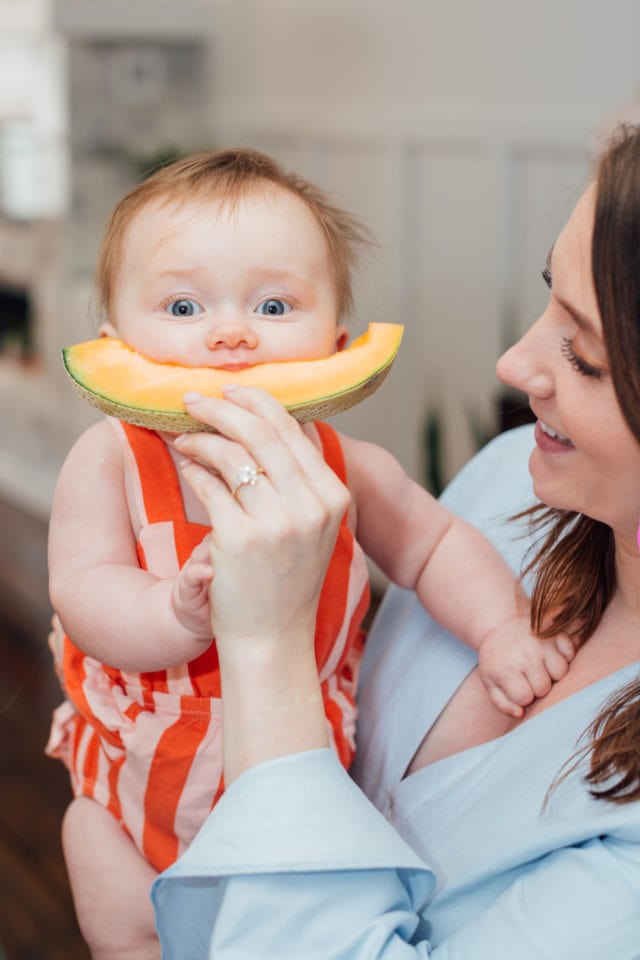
[[233, 366]]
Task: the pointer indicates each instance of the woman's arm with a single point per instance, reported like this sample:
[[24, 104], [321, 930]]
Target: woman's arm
[[294, 861], [270, 547]]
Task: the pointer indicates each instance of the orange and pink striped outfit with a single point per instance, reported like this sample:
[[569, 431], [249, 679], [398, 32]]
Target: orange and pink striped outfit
[[148, 746]]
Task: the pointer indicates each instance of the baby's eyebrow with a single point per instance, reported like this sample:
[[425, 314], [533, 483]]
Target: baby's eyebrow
[[279, 275], [261, 275], [178, 272]]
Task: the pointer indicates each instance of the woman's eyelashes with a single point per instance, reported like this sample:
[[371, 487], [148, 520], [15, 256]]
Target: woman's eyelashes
[[577, 362]]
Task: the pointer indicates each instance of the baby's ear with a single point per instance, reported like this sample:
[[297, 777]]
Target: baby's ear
[[342, 338], [107, 330]]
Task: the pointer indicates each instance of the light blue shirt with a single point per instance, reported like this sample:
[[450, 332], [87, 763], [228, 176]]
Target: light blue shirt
[[460, 861]]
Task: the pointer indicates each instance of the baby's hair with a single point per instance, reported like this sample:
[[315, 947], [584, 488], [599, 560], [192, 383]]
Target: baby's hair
[[229, 175]]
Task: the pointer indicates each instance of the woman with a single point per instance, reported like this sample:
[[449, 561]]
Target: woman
[[512, 838]]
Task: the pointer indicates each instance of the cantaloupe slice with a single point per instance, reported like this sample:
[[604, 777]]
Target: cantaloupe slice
[[123, 383]]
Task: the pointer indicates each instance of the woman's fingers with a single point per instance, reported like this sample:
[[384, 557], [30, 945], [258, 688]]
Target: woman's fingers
[[262, 516], [273, 540], [226, 457], [257, 433], [265, 550], [211, 489], [266, 431]]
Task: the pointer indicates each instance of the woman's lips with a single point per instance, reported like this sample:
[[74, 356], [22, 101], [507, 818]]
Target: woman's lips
[[549, 440]]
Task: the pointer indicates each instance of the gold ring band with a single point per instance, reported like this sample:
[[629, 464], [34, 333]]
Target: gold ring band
[[247, 477]]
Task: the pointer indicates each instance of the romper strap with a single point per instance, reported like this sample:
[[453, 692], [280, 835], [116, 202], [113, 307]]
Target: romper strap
[[332, 449], [154, 472]]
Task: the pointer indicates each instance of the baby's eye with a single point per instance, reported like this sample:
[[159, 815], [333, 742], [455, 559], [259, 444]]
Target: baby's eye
[[184, 308], [273, 308]]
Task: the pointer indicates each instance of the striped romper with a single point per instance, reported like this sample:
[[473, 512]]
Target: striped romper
[[148, 746]]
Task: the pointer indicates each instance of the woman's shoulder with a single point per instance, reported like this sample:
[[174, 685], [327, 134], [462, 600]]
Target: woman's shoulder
[[494, 485]]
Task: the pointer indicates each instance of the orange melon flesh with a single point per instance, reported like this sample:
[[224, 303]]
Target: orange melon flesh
[[123, 383]]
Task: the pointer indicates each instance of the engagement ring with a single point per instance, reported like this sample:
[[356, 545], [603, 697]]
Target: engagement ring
[[246, 476]]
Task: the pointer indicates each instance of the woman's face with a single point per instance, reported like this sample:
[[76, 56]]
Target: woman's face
[[586, 458]]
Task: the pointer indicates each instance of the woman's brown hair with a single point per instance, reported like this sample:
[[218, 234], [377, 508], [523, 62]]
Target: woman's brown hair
[[575, 561]]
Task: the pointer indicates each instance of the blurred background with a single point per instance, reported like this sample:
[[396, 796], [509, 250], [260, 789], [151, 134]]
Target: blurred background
[[460, 132]]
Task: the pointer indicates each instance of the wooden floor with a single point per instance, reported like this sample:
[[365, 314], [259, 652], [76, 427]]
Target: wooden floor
[[36, 912]]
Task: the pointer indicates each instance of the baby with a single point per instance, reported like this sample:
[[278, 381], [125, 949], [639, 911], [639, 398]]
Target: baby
[[225, 260]]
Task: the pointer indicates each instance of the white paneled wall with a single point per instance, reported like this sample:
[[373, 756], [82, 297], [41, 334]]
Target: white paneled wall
[[460, 132]]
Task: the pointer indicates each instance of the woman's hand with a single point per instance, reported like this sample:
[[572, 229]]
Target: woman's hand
[[273, 538], [275, 508]]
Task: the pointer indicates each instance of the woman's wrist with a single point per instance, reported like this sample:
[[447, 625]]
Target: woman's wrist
[[272, 704]]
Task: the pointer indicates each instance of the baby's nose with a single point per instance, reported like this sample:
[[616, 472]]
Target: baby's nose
[[232, 331]]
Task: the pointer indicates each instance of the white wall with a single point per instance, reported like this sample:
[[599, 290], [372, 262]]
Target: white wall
[[551, 53], [460, 132]]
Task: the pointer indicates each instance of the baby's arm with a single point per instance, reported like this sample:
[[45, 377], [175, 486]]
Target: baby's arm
[[460, 578], [114, 611]]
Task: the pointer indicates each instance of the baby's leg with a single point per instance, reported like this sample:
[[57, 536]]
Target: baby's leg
[[110, 881]]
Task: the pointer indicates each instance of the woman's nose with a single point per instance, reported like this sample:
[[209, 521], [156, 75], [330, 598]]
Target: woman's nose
[[526, 366], [231, 330]]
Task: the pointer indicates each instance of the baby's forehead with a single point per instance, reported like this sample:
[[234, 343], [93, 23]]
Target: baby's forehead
[[169, 215]]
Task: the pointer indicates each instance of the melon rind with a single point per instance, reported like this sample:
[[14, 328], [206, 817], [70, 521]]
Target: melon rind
[[180, 421]]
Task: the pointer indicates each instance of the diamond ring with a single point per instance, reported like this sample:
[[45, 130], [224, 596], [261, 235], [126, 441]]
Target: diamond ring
[[246, 476]]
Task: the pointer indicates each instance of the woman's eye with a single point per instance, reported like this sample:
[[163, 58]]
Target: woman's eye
[[586, 369], [184, 308], [273, 308]]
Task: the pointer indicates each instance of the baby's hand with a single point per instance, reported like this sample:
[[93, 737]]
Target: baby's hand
[[190, 597], [516, 667]]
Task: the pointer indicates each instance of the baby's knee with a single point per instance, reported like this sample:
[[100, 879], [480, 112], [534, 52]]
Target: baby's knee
[[110, 882], [81, 821]]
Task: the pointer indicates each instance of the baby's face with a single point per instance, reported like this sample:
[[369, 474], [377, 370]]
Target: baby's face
[[201, 284]]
